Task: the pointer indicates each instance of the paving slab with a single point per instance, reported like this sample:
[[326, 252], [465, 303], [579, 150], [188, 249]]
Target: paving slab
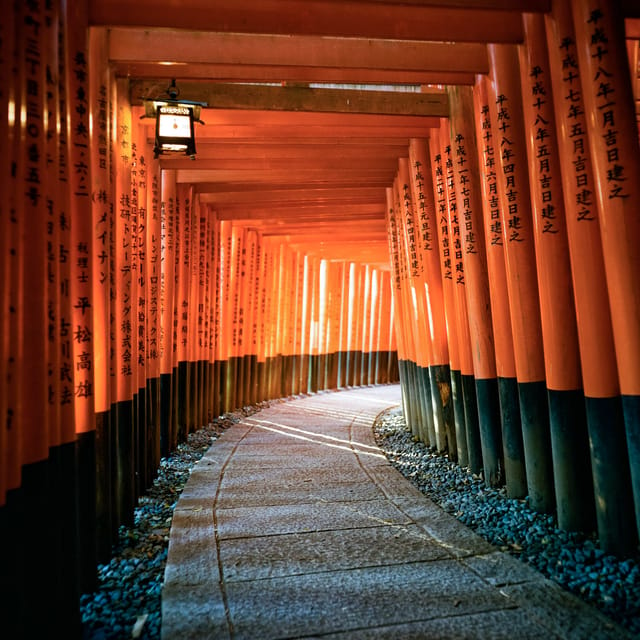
[[295, 525]]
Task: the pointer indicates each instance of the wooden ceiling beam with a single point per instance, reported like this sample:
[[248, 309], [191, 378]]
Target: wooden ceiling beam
[[350, 195], [293, 152], [428, 20], [296, 99], [235, 180], [197, 47], [184, 72], [264, 164], [364, 211]]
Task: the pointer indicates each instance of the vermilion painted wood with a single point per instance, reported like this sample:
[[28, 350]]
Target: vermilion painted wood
[[517, 224], [557, 309], [167, 285], [426, 218], [33, 418], [267, 50], [6, 133], [494, 241], [445, 246], [371, 20], [101, 214], [122, 303], [464, 155], [456, 228], [290, 73], [616, 169], [597, 353]]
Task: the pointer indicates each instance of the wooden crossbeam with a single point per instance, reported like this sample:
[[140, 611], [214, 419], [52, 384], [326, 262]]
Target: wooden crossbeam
[[292, 98], [428, 20], [143, 45]]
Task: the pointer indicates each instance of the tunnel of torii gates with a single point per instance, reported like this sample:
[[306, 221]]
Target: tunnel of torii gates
[[498, 284]]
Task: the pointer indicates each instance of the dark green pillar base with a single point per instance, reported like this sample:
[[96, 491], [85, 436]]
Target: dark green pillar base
[[571, 461], [458, 417], [534, 413], [631, 411], [472, 425], [611, 476], [513, 447], [490, 431]]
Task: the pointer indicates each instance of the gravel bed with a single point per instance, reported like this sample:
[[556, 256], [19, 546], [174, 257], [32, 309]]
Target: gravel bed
[[127, 603], [572, 560]]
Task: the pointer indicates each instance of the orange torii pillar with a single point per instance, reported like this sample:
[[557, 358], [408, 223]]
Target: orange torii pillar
[[374, 328], [469, 398], [356, 328], [298, 340], [615, 156], [167, 294], [195, 286], [513, 448], [239, 279], [417, 308], [384, 331], [137, 315], [223, 346], [415, 350], [153, 267], [182, 308], [505, 102], [290, 322], [444, 244], [344, 326], [366, 311], [569, 435], [102, 221], [595, 334], [469, 200], [123, 322], [33, 420], [432, 289], [305, 324], [400, 324], [76, 309], [248, 321], [68, 204], [11, 522], [8, 455], [210, 312]]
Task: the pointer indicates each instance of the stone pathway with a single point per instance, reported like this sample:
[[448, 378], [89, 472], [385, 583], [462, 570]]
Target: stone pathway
[[294, 525]]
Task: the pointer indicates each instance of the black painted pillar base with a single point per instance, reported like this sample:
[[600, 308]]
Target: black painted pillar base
[[165, 415], [125, 470], [513, 447], [104, 474], [534, 413], [153, 422], [394, 375], [184, 409], [490, 431], [571, 461], [405, 392], [12, 571], [444, 423], [89, 474], [458, 417], [631, 410], [611, 476], [429, 430], [472, 425], [193, 395], [140, 434]]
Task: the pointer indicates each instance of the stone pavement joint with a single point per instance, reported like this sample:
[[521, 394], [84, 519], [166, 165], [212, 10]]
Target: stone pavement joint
[[295, 525]]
